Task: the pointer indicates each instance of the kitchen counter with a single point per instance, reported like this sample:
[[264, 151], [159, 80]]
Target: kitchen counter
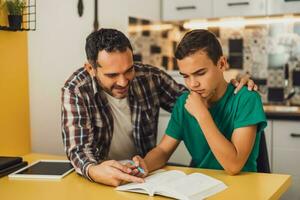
[[282, 112]]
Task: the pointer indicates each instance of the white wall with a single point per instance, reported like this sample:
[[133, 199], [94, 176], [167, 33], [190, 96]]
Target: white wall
[[56, 49]]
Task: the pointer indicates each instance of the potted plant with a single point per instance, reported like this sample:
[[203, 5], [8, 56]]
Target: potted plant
[[15, 10]]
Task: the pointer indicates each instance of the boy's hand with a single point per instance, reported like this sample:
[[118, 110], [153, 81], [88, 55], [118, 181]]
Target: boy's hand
[[195, 103], [141, 167]]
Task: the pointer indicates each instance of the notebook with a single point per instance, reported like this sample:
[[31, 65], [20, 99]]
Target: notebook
[[44, 169], [6, 161], [176, 184]]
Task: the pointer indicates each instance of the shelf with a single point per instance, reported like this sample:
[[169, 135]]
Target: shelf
[[7, 28], [28, 19]]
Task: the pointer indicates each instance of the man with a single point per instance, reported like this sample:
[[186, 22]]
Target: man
[[110, 108], [220, 129]]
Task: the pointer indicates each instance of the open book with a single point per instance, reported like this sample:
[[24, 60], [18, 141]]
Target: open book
[[177, 184]]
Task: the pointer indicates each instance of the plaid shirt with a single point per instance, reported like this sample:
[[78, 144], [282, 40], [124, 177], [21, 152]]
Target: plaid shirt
[[87, 122]]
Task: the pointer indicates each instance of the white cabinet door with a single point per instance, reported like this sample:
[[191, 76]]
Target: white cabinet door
[[231, 8], [286, 153], [186, 9], [283, 6], [181, 155], [268, 134]]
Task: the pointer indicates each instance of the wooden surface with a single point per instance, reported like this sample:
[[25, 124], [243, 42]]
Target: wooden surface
[[244, 186]]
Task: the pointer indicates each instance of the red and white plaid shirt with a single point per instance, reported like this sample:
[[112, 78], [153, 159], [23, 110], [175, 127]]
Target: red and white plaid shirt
[[87, 122]]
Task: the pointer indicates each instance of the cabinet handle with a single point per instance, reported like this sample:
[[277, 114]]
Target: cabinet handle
[[290, 0], [295, 135], [186, 8], [238, 4]]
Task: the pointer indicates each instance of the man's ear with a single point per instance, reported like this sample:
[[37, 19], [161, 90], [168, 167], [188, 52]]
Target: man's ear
[[223, 64], [89, 68]]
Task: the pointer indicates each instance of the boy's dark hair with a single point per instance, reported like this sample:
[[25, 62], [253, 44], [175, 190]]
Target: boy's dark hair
[[110, 40], [199, 39]]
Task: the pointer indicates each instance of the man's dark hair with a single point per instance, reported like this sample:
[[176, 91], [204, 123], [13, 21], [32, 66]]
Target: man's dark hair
[[199, 39], [110, 40]]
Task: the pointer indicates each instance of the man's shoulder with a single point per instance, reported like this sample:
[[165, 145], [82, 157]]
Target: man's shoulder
[[78, 79]]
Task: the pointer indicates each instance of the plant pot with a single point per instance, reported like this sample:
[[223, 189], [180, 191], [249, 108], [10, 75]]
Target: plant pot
[[15, 21]]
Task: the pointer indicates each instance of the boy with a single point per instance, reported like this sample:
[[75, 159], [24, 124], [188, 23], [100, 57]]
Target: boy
[[220, 129]]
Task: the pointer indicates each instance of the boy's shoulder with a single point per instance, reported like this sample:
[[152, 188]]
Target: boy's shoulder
[[245, 93], [182, 98], [244, 96]]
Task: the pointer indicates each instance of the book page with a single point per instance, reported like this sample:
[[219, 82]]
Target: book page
[[193, 186], [152, 181]]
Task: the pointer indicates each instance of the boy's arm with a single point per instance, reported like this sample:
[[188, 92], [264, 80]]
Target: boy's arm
[[159, 155], [232, 155]]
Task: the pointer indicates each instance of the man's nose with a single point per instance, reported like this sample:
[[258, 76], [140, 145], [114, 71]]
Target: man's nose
[[122, 81]]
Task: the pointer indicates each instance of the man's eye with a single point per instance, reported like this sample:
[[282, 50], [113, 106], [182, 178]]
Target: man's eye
[[111, 75], [129, 71]]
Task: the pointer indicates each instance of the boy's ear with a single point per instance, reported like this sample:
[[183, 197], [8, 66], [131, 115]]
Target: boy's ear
[[223, 64], [89, 68]]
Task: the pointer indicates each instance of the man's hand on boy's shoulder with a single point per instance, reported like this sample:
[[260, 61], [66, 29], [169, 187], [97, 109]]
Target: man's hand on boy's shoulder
[[244, 80]]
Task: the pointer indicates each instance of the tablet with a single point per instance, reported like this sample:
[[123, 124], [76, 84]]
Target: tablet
[[44, 169]]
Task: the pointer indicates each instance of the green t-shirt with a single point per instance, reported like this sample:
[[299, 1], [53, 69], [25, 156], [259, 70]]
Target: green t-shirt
[[230, 112]]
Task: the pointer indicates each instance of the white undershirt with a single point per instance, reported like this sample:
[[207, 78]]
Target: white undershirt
[[122, 144]]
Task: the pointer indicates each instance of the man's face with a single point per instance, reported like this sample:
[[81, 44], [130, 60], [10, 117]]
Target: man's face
[[115, 72], [201, 74]]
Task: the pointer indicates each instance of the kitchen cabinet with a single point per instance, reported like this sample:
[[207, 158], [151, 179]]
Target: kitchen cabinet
[[239, 8], [286, 151], [186, 9], [283, 6]]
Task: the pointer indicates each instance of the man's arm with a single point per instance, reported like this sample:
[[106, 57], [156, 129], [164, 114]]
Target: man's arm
[[78, 138], [76, 132]]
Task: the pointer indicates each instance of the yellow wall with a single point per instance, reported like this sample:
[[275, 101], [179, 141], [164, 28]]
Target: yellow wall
[[14, 94]]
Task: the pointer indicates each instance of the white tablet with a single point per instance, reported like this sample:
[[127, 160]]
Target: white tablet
[[44, 169]]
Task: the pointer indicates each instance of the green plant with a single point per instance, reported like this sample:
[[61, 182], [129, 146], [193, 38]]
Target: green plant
[[15, 7]]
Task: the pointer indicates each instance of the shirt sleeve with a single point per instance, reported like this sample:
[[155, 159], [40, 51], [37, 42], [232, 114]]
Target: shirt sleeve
[[250, 112], [76, 132], [175, 125]]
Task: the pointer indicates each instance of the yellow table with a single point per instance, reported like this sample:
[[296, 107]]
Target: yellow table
[[244, 186]]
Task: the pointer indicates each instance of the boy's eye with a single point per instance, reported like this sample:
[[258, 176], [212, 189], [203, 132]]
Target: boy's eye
[[201, 73]]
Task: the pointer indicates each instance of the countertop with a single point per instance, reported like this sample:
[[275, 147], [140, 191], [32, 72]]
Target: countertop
[[281, 112]]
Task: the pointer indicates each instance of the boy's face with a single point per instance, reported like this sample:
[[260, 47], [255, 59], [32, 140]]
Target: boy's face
[[201, 74], [115, 72]]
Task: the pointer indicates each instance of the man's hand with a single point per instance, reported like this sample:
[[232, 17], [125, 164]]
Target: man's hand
[[195, 103], [112, 173], [244, 80]]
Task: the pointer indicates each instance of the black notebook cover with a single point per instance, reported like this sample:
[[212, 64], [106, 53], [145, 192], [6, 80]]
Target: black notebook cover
[[6, 161], [13, 168]]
